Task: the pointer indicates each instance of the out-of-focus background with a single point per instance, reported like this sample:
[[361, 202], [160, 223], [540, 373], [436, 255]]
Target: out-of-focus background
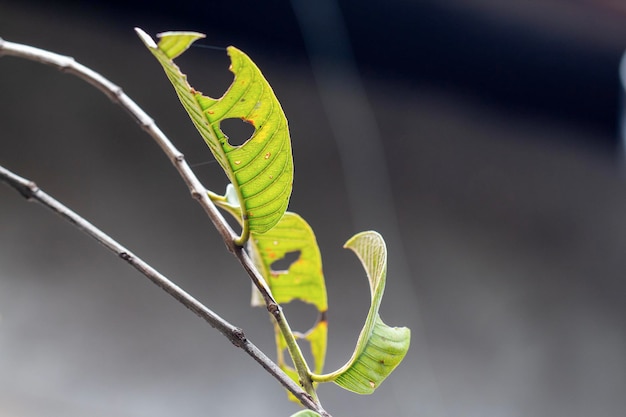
[[480, 137]]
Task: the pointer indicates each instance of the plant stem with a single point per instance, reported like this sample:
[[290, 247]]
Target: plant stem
[[304, 373], [198, 192], [31, 192], [276, 312], [300, 364]]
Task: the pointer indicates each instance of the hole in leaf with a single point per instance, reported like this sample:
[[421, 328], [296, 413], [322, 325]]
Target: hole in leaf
[[238, 131], [305, 347], [194, 65], [283, 264], [302, 316], [288, 360]]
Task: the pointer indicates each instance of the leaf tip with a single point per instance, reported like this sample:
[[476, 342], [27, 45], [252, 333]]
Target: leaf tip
[[371, 235], [145, 38], [171, 43], [181, 34]]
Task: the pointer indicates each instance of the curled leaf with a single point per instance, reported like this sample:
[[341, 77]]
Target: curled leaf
[[380, 348], [261, 169]]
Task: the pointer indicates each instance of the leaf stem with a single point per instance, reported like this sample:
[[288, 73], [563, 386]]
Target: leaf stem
[[302, 368], [29, 190], [277, 313], [304, 373], [245, 234]]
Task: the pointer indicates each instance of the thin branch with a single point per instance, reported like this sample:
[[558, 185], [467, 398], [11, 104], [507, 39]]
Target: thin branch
[[29, 190], [198, 192], [116, 94]]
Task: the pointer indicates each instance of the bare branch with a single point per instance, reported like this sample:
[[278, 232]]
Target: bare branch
[[116, 94], [29, 190]]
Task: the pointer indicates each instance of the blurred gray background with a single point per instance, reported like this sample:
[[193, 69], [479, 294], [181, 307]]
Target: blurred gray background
[[481, 139]]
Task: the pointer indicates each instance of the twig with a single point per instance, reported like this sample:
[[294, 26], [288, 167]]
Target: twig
[[29, 190], [116, 94]]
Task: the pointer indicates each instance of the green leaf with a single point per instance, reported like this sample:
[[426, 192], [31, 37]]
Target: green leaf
[[261, 169], [380, 348], [302, 280], [318, 338], [306, 413]]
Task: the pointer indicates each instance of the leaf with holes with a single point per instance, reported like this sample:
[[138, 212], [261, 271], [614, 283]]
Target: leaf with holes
[[261, 169], [380, 348], [302, 279], [288, 258]]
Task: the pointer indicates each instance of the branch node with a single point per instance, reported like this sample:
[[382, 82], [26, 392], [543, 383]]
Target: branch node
[[67, 64], [196, 195], [274, 309], [239, 338], [233, 247], [146, 122], [117, 91], [27, 190], [146, 125], [126, 256]]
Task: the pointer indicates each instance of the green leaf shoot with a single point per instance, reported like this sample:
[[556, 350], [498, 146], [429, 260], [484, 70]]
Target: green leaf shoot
[[380, 348], [261, 169]]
